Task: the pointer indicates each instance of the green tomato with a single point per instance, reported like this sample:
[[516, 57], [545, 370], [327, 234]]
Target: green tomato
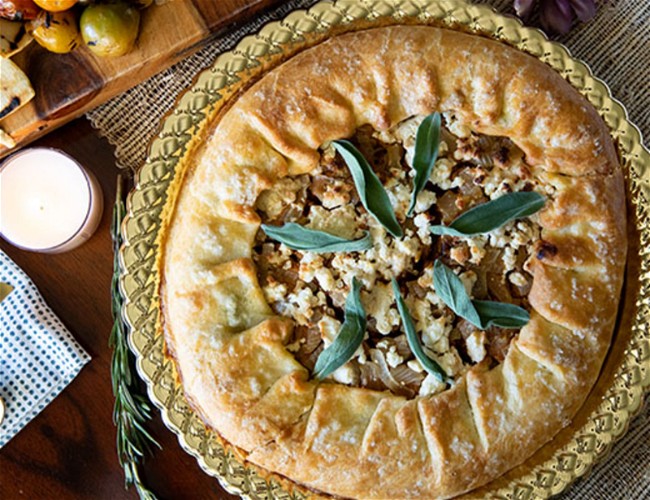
[[110, 29]]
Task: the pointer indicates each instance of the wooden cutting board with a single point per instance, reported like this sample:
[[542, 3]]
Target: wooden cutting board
[[68, 85]]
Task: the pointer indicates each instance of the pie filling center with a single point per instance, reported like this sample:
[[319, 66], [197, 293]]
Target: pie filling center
[[311, 288]]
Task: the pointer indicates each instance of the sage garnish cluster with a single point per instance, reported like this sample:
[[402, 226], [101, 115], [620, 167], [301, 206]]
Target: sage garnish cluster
[[481, 313], [489, 216], [427, 142], [374, 197], [372, 194], [412, 337], [301, 238], [349, 337]]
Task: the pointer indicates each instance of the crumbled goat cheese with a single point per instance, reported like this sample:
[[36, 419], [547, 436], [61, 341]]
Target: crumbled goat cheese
[[469, 280], [275, 292], [433, 330], [509, 258], [455, 126], [341, 221], [415, 365], [441, 174], [431, 385], [393, 358], [476, 249], [423, 224], [301, 302], [425, 200], [284, 192], [312, 267], [377, 304], [475, 343], [517, 279], [309, 264], [328, 328], [399, 195], [346, 374]]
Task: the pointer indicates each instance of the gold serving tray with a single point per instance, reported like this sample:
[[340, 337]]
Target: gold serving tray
[[619, 392]]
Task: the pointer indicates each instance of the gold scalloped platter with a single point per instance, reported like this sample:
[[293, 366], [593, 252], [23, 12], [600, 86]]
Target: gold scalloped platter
[[619, 392]]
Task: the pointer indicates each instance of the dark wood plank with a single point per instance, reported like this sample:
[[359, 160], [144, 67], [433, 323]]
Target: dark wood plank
[[62, 84], [213, 12], [68, 450]]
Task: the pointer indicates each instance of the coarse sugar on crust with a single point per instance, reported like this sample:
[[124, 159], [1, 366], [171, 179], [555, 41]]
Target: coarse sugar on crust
[[231, 347]]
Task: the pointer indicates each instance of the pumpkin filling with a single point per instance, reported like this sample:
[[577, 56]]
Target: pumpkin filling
[[311, 288]]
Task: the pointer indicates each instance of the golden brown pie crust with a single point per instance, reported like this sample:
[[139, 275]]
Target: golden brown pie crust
[[353, 442]]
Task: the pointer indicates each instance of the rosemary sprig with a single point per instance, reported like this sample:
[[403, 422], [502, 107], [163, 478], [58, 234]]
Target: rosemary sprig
[[131, 410]]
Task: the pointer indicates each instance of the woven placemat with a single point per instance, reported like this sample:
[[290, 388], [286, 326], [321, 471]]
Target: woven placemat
[[616, 45]]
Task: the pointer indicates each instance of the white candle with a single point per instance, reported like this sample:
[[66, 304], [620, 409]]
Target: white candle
[[48, 202]]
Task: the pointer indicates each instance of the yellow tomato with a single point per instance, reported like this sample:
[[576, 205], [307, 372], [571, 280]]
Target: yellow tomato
[[56, 31], [55, 5]]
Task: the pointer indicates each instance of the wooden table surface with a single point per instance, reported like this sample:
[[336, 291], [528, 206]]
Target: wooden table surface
[[68, 450]]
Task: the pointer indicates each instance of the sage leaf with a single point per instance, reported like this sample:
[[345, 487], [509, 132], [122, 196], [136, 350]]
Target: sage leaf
[[301, 238], [451, 290], [493, 214], [349, 337], [481, 313], [371, 192], [412, 338], [427, 142], [500, 314]]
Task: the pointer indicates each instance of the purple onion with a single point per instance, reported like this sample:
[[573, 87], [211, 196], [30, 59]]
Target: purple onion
[[584, 9], [556, 16], [524, 8]]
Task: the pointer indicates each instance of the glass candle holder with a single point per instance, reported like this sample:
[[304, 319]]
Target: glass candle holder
[[48, 201]]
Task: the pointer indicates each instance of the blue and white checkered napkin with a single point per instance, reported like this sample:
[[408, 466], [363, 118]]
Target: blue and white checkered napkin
[[38, 356]]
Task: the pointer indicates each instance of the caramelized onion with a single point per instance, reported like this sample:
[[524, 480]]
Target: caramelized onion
[[498, 341], [521, 292], [369, 377], [402, 347], [386, 376], [470, 194], [491, 280], [407, 377], [310, 348], [447, 206]]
